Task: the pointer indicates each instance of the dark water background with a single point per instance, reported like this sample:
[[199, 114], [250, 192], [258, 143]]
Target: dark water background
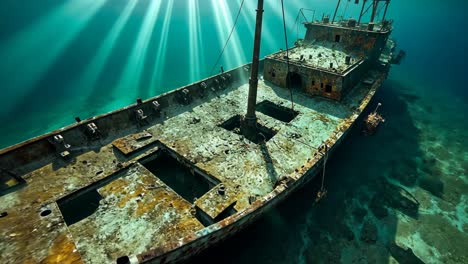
[[60, 59]]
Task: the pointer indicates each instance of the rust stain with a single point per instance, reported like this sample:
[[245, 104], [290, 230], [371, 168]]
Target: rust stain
[[62, 251]]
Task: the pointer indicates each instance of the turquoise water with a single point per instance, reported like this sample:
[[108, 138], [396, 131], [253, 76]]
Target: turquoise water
[[405, 187]]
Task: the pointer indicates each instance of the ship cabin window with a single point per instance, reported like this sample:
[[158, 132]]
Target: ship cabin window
[[328, 88], [337, 38], [313, 82], [273, 74], [321, 85]]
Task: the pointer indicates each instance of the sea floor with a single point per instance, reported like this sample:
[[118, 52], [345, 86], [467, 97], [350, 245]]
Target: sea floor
[[400, 196]]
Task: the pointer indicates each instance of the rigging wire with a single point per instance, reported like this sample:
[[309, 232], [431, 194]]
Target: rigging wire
[[288, 76], [379, 11], [365, 12], [229, 38], [346, 9]]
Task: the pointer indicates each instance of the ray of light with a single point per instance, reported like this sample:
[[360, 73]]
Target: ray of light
[[27, 56], [89, 78], [290, 18], [200, 39], [224, 23], [193, 40], [248, 15], [268, 41], [129, 83], [290, 9], [162, 48]]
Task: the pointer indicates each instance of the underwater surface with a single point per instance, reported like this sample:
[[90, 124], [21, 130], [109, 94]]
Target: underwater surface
[[398, 196]]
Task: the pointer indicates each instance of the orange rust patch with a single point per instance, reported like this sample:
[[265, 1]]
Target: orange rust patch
[[62, 251], [133, 142]]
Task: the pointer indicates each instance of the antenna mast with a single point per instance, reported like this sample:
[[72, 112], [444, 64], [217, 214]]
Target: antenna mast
[[362, 12], [336, 10], [375, 4], [385, 12], [249, 122]]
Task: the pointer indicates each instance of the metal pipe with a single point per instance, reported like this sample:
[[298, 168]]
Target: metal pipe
[[336, 10], [250, 119], [362, 11]]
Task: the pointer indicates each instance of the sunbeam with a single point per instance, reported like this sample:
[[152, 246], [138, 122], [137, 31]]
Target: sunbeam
[[290, 18], [224, 24], [200, 39], [193, 40], [161, 54], [88, 80], [27, 56], [131, 76]]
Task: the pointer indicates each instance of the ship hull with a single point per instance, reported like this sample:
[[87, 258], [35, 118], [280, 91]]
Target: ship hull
[[25, 157], [230, 227]]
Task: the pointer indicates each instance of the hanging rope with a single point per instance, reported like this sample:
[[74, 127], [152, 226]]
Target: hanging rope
[[324, 166], [229, 38], [288, 77], [323, 192]]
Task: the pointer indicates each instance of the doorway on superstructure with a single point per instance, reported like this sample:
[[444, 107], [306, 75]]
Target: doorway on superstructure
[[294, 81]]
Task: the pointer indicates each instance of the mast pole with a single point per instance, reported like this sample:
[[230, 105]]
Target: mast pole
[[336, 10], [362, 11], [375, 4], [386, 8], [250, 119]]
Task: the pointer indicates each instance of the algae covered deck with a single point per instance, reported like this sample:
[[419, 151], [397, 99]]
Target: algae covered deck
[[161, 184]]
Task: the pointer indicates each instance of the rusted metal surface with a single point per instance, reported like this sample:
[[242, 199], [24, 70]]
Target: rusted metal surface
[[141, 217], [133, 142]]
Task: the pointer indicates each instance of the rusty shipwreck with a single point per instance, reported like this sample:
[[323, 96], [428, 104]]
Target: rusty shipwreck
[[164, 178]]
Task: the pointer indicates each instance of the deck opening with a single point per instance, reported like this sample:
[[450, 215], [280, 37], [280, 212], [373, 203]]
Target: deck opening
[[123, 260], [278, 112], [328, 88], [294, 80], [233, 124], [226, 213], [84, 202], [337, 38], [181, 178], [3, 214], [206, 220], [80, 207]]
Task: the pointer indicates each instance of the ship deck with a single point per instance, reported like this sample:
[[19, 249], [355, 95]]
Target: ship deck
[[323, 56], [137, 192]]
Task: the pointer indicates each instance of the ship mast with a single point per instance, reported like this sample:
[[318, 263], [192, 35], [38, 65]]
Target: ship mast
[[386, 8], [375, 5], [336, 10], [249, 122]]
